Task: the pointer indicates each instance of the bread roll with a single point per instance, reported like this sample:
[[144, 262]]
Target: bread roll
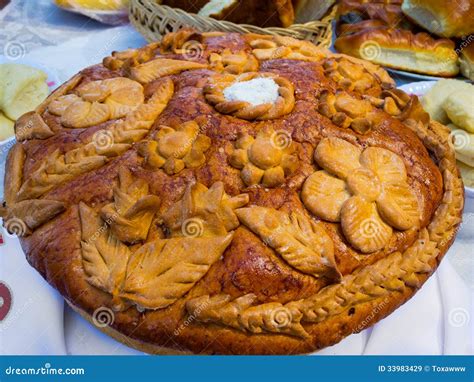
[[466, 60], [434, 99], [401, 49], [463, 144], [467, 173], [459, 107], [440, 17]]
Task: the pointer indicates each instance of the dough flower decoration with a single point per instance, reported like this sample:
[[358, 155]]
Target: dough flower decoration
[[282, 47], [131, 213], [366, 191], [233, 63], [251, 96], [400, 105], [204, 212], [174, 149], [162, 67], [97, 102], [346, 111], [348, 75], [266, 159]]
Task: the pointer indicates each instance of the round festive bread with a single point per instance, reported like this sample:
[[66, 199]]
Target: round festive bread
[[232, 194]]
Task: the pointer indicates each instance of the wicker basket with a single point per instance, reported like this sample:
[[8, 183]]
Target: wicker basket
[[153, 21]]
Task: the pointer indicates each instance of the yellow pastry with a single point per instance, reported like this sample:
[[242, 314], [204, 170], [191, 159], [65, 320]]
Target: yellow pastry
[[467, 173], [459, 107], [434, 99], [23, 89]]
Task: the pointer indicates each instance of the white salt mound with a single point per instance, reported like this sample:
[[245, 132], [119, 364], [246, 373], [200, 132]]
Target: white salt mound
[[256, 92]]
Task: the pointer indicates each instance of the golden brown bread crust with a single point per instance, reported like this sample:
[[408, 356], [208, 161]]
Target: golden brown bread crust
[[453, 19], [379, 31], [275, 13], [373, 285], [401, 49]]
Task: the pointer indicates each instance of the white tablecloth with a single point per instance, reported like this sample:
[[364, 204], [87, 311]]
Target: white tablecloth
[[438, 320]]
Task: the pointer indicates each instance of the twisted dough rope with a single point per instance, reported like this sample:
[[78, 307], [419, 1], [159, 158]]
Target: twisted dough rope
[[214, 93], [393, 273]]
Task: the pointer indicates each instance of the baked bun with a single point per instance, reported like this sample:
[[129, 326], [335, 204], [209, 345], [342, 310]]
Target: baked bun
[[445, 19], [466, 59], [264, 197], [401, 49], [467, 173], [435, 97], [459, 106]]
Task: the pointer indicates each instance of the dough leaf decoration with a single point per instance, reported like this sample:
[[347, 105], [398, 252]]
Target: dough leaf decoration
[[131, 213], [162, 271], [31, 126], [300, 241], [161, 67], [104, 257]]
